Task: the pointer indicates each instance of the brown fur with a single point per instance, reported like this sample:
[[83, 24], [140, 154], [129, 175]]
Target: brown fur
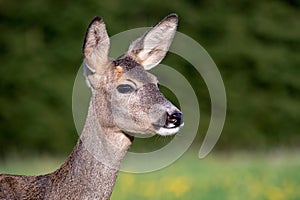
[[118, 72]]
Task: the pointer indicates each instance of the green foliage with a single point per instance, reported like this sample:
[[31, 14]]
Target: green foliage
[[228, 177], [256, 46]]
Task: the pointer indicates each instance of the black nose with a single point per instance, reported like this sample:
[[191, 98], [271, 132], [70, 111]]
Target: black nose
[[174, 120]]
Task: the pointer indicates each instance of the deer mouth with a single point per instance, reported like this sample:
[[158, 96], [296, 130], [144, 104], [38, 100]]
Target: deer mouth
[[172, 124], [174, 120]]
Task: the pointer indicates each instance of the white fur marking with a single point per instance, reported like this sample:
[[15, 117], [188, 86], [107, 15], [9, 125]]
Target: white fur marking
[[167, 131]]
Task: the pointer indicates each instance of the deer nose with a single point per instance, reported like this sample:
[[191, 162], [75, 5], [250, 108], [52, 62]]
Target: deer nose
[[174, 120]]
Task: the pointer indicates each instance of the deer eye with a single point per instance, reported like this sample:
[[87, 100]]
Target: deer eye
[[125, 88]]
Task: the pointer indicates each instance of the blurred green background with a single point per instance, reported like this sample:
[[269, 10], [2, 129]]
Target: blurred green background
[[256, 46]]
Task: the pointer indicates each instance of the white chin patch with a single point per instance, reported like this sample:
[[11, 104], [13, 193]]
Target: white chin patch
[[167, 131]]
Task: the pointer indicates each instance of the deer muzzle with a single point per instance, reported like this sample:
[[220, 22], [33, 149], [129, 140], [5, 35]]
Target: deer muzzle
[[174, 120]]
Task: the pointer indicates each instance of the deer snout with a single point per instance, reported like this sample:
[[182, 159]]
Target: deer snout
[[169, 123], [174, 120]]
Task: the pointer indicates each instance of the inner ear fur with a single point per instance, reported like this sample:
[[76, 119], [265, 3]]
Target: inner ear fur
[[151, 48]]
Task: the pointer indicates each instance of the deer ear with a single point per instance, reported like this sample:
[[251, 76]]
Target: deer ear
[[96, 46], [151, 48]]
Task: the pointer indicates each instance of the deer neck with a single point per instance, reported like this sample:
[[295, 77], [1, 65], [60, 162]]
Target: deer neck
[[95, 161], [101, 137]]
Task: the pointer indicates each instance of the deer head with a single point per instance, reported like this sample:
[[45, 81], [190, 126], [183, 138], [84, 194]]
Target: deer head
[[126, 95]]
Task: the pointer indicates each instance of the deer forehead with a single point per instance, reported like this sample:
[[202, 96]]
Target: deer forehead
[[134, 72]]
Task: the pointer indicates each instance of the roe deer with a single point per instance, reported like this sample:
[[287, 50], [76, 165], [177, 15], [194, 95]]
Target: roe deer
[[125, 101]]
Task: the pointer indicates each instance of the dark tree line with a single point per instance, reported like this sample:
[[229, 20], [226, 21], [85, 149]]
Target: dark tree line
[[256, 46]]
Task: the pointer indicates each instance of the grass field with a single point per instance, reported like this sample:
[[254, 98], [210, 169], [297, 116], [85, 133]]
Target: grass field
[[219, 176]]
